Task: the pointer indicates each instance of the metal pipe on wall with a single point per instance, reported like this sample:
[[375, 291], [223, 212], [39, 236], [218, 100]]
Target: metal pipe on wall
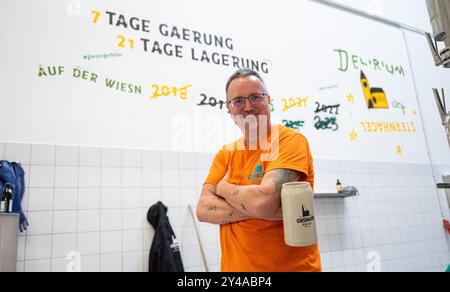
[[439, 11]]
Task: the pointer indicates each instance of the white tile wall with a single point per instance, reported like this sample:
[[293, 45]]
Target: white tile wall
[[63, 244], [133, 261], [66, 199], [111, 262], [88, 220], [397, 216], [111, 242], [40, 199], [42, 176], [59, 264], [90, 156], [38, 266], [89, 198], [67, 156], [151, 159], [88, 243], [18, 152], [43, 155], [132, 158], [66, 177], [90, 263], [94, 201]]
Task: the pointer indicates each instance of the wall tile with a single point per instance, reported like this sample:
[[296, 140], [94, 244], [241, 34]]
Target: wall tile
[[111, 198], [42, 177], [111, 220], [38, 247], [132, 177], [89, 198], [133, 262], [67, 156], [40, 223], [90, 156], [88, 220], [40, 199], [133, 240], [187, 161], [88, 243], [64, 222], [38, 266], [18, 152], [111, 157], [111, 262], [151, 159], [170, 178], [63, 244], [151, 178], [66, 199], [66, 177], [132, 219], [169, 160], [111, 177], [42, 155], [111, 242], [132, 158], [89, 177], [131, 198], [90, 263]]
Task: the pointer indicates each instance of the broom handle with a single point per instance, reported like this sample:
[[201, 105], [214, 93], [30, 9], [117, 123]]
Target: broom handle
[[197, 231]]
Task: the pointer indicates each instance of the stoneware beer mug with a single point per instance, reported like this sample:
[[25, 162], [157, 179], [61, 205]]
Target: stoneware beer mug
[[297, 201]]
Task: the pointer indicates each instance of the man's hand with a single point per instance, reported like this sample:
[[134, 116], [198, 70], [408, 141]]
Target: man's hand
[[278, 216]]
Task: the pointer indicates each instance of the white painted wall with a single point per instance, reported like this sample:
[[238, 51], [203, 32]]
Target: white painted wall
[[66, 110], [413, 13]]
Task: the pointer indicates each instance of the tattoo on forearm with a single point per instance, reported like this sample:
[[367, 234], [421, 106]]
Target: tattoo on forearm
[[231, 214], [235, 193], [243, 208], [214, 208], [282, 176]]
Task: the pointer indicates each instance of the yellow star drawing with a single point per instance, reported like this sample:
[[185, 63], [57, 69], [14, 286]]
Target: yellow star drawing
[[351, 98], [353, 136], [414, 113], [399, 150]]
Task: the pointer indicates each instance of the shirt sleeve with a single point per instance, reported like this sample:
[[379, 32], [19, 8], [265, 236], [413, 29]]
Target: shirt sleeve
[[293, 153], [218, 169]]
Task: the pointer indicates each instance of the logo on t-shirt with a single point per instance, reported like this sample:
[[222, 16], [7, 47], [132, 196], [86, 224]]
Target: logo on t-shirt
[[258, 173]]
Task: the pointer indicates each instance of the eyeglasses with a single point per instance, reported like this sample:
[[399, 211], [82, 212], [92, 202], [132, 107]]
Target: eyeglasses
[[239, 102]]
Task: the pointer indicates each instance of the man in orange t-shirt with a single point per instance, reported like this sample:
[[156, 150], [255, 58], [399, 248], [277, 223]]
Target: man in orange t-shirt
[[242, 193]]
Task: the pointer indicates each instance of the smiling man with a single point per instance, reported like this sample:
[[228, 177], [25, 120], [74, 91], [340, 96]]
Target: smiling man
[[243, 190]]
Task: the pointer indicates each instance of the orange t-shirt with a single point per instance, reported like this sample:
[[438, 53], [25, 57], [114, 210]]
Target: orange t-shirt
[[257, 245]]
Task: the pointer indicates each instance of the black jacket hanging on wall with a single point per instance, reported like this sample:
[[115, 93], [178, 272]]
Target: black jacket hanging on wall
[[165, 253]]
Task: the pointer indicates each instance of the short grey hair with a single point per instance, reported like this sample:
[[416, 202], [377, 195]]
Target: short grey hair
[[243, 73]]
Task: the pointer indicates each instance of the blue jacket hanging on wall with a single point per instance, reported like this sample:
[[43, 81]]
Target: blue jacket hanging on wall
[[13, 175], [165, 253]]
